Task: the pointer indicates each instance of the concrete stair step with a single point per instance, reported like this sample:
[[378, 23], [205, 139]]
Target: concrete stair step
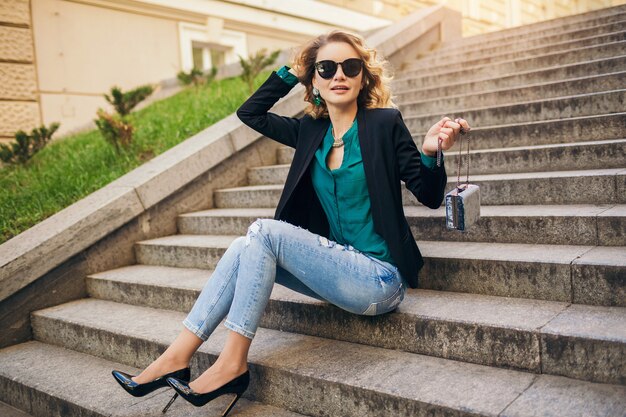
[[543, 28], [601, 225], [544, 132], [303, 373], [506, 96], [591, 275], [511, 50], [468, 73], [228, 221], [537, 133], [589, 104], [185, 251], [598, 186], [580, 274], [588, 35], [49, 380], [538, 158], [518, 80], [496, 331], [604, 186], [597, 225]]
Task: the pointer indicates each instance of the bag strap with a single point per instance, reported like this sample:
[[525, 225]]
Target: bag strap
[[458, 178]]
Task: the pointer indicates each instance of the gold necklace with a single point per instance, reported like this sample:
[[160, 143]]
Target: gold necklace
[[337, 143]]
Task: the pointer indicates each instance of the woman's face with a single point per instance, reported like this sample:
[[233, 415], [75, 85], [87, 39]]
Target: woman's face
[[338, 52]]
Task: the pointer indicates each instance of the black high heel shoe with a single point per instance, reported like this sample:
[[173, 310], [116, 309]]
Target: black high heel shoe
[[139, 390], [235, 386]]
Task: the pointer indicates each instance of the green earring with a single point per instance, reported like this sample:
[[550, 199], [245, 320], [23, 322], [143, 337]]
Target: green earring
[[316, 94]]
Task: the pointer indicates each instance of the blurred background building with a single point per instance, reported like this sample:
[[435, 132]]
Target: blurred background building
[[58, 57]]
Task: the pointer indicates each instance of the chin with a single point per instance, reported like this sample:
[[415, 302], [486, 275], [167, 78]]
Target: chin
[[342, 101]]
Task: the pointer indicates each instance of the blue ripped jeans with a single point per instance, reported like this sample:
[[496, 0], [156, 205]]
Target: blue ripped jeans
[[277, 251]]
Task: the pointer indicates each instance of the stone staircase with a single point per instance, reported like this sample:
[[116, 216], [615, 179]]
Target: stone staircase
[[524, 315]]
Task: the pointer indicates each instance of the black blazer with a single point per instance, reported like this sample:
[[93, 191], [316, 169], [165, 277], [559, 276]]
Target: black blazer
[[389, 156]]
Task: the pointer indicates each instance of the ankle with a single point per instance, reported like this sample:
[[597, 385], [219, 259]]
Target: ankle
[[230, 366], [171, 362], [158, 368]]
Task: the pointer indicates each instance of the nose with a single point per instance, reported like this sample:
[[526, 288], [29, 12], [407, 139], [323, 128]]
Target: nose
[[340, 68]]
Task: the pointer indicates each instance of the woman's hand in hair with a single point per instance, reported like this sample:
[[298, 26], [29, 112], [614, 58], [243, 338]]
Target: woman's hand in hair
[[446, 129]]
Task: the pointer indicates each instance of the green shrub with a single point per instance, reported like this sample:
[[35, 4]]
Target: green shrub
[[196, 77], [25, 145], [255, 64], [115, 129], [123, 103]]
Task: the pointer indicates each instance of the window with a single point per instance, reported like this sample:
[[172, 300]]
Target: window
[[198, 49], [218, 57], [204, 57], [198, 62]]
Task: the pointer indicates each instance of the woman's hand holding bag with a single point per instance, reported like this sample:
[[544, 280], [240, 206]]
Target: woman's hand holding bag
[[446, 130], [463, 202]]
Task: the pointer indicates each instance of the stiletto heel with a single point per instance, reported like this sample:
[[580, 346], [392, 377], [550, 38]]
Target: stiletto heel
[[236, 386], [169, 403], [232, 404]]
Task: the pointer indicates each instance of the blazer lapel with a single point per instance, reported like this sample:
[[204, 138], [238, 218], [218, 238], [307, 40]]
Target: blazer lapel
[[301, 160], [369, 155], [367, 150], [317, 135], [364, 140]]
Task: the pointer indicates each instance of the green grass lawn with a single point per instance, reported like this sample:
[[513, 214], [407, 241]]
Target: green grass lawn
[[71, 168]]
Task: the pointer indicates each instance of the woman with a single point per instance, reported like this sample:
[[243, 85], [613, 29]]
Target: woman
[[339, 232]]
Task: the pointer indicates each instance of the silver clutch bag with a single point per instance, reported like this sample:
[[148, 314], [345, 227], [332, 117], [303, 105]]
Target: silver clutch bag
[[462, 207], [462, 203]]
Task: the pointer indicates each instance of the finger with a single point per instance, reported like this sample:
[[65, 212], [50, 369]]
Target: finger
[[447, 130], [465, 125], [448, 143], [452, 124], [453, 128], [444, 136], [453, 132]]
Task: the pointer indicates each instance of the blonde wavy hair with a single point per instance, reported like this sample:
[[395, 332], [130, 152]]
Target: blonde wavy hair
[[376, 92]]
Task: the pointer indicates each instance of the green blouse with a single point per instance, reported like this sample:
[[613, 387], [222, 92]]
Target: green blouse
[[343, 192]]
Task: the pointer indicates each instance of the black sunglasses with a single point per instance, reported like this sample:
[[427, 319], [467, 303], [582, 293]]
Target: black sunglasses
[[351, 67]]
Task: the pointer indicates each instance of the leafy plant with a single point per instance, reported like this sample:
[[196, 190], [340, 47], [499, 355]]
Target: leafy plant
[[25, 145], [125, 102], [196, 77], [192, 77], [255, 64], [211, 75], [115, 129]]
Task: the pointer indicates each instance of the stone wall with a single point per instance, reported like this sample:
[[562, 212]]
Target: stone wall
[[19, 103]]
